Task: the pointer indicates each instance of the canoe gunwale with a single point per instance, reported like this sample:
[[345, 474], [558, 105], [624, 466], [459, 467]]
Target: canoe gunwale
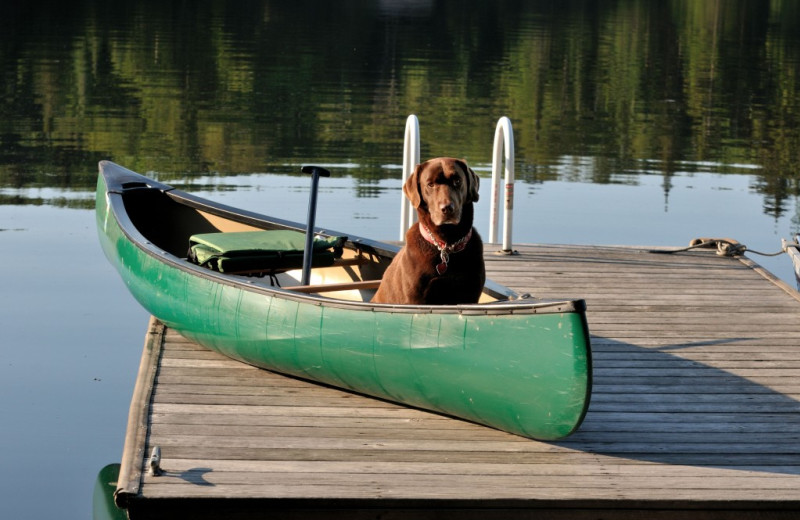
[[120, 181]]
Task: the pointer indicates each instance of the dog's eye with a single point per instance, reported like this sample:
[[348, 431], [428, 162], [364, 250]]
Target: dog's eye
[[457, 182]]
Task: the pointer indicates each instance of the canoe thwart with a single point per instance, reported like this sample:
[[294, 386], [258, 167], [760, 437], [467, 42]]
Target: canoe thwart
[[339, 262], [333, 287]]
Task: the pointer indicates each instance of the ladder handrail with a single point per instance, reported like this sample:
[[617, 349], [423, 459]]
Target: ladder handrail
[[503, 142], [411, 159]]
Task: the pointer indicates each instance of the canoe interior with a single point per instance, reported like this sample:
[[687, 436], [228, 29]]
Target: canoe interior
[[169, 218]]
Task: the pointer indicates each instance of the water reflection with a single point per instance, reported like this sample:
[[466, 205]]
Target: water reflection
[[252, 86]]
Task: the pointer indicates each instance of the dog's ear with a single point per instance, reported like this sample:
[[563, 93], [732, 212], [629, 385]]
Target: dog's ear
[[411, 187], [473, 182]]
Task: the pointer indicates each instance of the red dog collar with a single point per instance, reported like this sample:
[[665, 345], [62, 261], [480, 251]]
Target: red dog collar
[[444, 249]]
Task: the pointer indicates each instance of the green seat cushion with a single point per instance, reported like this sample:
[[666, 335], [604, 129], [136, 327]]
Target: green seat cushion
[[267, 251]]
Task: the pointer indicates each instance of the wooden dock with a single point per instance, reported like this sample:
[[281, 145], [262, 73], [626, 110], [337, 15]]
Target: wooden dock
[[694, 414]]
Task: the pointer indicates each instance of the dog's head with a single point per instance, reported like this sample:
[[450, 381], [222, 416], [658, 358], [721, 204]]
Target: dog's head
[[441, 187]]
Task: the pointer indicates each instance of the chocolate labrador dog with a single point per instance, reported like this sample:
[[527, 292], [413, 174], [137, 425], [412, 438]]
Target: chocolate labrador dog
[[442, 260]]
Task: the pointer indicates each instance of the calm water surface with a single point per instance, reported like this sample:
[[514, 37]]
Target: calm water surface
[[638, 123]]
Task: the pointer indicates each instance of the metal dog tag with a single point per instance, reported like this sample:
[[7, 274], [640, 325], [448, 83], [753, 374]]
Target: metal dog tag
[[442, 268]]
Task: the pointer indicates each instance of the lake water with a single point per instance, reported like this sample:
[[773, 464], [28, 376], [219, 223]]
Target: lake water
[[636, 123]]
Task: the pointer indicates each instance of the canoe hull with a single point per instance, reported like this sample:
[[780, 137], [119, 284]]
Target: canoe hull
[[522, 370], [103, 506]]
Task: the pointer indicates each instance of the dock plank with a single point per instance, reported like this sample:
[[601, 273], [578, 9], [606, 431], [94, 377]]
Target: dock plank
[[695, 413]]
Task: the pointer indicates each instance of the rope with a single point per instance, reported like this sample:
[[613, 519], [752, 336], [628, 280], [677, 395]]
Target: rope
[[724, 246]]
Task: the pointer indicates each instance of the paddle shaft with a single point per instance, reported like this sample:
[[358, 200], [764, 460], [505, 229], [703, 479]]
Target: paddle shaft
[[316, 172]]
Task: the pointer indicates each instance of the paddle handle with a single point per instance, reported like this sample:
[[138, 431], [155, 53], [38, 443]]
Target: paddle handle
[[316, 172]]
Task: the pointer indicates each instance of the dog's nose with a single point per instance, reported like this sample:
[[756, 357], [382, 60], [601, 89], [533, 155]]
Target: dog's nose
[[448, 209]]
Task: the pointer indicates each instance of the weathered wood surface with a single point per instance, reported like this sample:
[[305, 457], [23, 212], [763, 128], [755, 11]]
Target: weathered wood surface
[[695, 411]]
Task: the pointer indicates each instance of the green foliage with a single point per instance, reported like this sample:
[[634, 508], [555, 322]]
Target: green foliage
[[246, 86]]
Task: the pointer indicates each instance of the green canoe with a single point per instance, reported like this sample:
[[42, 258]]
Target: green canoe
[[514, 363], [103, 506]]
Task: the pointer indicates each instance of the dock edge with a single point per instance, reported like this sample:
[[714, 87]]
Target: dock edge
[[134, 452]]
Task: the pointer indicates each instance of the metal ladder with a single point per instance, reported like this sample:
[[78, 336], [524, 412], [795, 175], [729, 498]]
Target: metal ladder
[[503, 151]]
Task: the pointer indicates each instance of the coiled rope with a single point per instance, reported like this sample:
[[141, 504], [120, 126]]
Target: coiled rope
[[725, 247]]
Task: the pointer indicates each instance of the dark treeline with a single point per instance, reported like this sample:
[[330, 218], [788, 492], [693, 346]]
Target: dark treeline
[[212, 86]]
